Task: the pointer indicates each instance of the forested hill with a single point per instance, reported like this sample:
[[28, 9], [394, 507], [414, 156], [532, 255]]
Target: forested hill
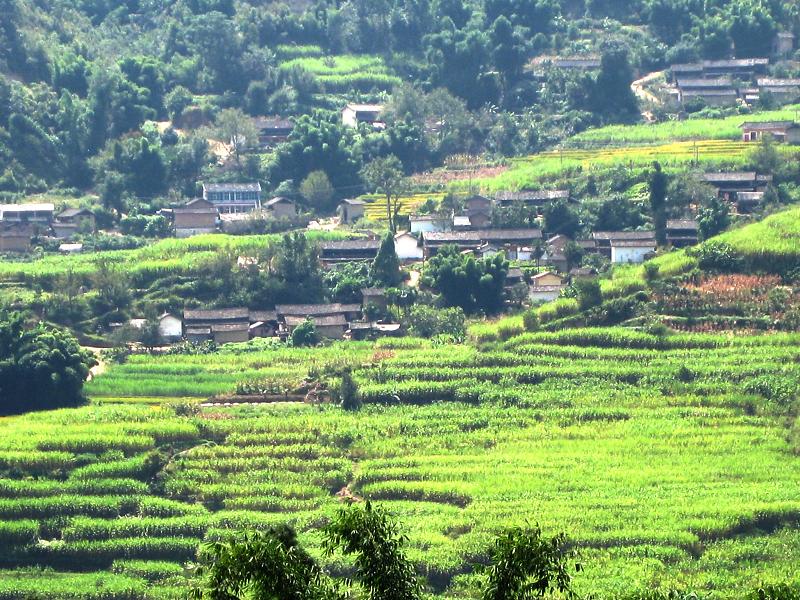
[[81, 74]]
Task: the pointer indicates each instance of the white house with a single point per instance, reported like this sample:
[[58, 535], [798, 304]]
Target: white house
[[428, 223], [170, 327], [407, 247], [354, 114], [631, 251], [544, 293]]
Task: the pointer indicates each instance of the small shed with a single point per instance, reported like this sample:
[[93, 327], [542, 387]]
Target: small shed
[[544, 293], [548, 278], [351, 210], [227, 333], [374, 296], [170, 327], [781, 131], [281, 208]]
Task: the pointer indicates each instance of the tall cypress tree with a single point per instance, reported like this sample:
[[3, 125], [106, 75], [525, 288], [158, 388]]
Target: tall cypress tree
[[385, 268], [658, 202]]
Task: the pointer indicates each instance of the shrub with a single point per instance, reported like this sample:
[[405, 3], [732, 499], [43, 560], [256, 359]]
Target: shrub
[[305, 334], [348, 392], [530, 320]]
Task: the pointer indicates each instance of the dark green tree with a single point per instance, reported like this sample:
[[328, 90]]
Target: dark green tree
[[385, 270], [589, 294], [657, 183], [713, 218], [560, 218], [611, 95], [40, 367], [374, 540], [348, 392], [524, 566], [474, 285], [305, 334], [296, 266]]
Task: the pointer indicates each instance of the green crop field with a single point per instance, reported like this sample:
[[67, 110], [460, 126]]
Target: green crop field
[[672, 131], [342, 73], [168, 256], [668, 461]]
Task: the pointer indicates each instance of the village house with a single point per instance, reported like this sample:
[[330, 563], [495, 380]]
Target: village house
[[332, 326], [514, 276], [477, 213], [350, 312], [375, 297], [72, 221], [281, 208], [555, 252], [604, 240], [336, 251], [195, 217], [682, 232], [272, 130], [509, 239], [355, 114], [15, 237], [742, 69], [351, 210], [170, 328], [544, 293], [781, 131], [547, 278], [233, 197], [38, 215], [781, 90], [747, 202], [263, 323], [407, 247], [732, 183], [428, 223], [631, 251], [582, 273], [723, 97], [222, 325]]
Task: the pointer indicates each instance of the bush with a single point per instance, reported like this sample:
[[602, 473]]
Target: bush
[[427, 322], [530, 320], [348, 392], [305, 334], [589, 294]]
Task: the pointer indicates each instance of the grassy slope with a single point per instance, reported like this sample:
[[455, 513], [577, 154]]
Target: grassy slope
[[651, 479]]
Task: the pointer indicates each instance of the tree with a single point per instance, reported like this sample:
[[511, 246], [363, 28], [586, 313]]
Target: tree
[[611, 95], [305, 334], [573, 254], [752, 28], [176, 101], [474, 285], [714, 217], [348, 392], [560, 218], [296, 266], [40, 367], [317, 190], [385, 270], [385, 176], [657, 182], [525, 566], [237, 129], [589, 294], [427, 321], [374, 539]]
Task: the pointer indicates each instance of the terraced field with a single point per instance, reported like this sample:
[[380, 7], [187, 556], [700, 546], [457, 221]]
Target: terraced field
[[375, 209], [668, 461]]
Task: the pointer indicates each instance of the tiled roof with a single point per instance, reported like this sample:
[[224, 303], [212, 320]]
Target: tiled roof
[[315, 310], [232, 187], [624, 235], [482, 235], [350, 245], [224, 314]]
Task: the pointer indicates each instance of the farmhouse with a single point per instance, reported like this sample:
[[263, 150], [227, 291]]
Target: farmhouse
[[748, 201], [721, 97], [38, 215], [407, 247], [782, 90], [423, 223], [351, 210], [512, 239], [682, 232], [195, 217], [281, 208], [604, 239], [355, 114], [631, 251], [374, 296], [514, 277], [730, 184], [170, 327], [544, 293], [545, 279], [348, 311], [781, 131], [263, 323], [554, 252], [348, 250], [328, 326], [223, 325], [273, 130], [80, 218], [15, 237], [233, 197], [743, 68]]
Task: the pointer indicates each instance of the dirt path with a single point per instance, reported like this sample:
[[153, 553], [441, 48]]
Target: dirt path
[[101, 365], [639, 88]]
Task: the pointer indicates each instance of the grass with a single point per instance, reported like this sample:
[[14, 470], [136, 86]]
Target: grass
[[342, 73], [660, 480], [727, 128]]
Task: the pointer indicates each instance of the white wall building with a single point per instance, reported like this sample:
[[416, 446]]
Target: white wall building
[[631, 251], [170, 327], [407, 247]]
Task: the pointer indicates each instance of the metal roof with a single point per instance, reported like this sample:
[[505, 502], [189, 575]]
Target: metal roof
[[232, 187]]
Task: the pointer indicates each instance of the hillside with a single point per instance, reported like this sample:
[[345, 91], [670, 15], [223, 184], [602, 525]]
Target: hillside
[[656, 476]]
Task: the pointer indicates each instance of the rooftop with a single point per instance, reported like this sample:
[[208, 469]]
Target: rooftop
[[722, 82], [273, 123], [232, 187], [223, 314], [624, 235], [482, 235], [350, 245], [278, 200], [315, 310], [74, 212], [320, 321], [353, 202], [531, 195], [263, 315], [365, 107], [633, 243], [736, 176], [777, 82], [767, 125], [682, 224], [31, 207]]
